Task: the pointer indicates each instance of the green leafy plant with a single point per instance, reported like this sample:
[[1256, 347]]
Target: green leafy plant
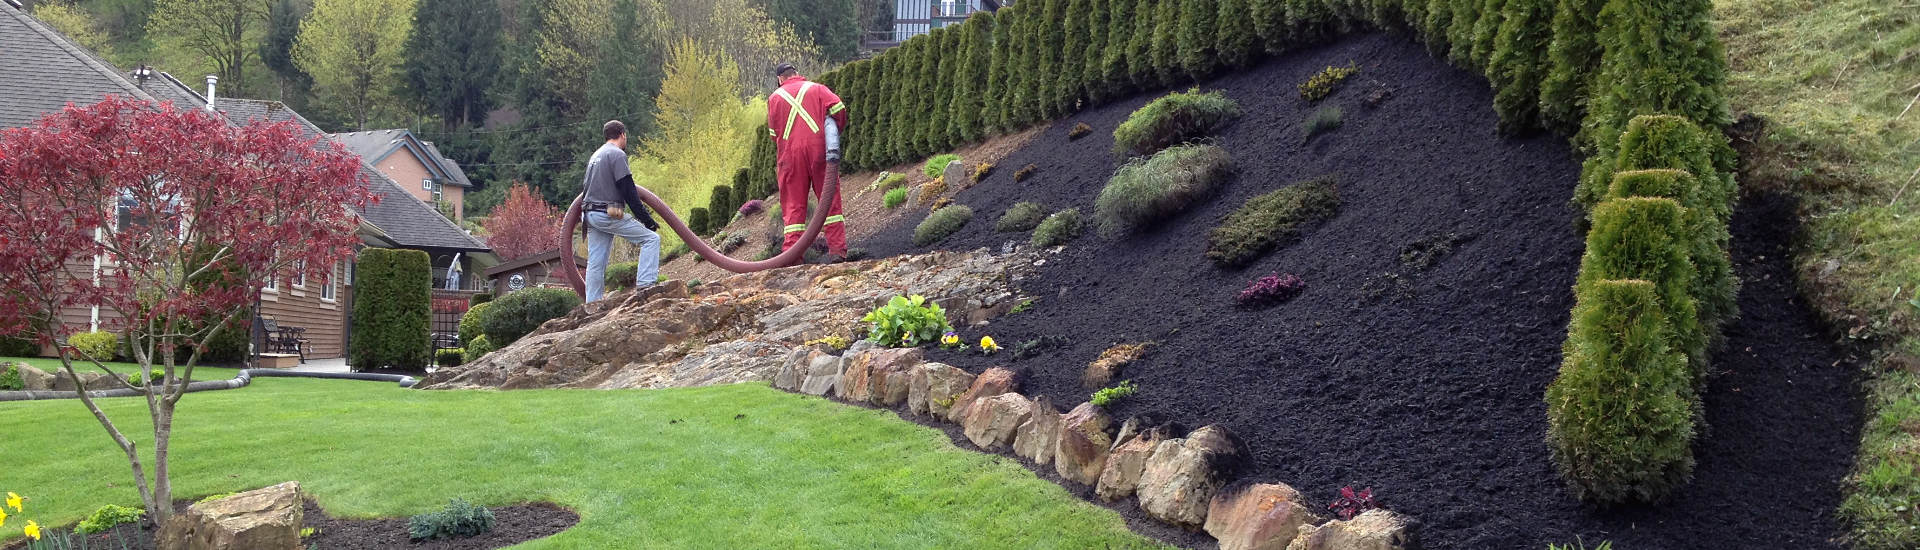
[[450, 357], [941, 224], [1271, 219], [1079, 131], [937, 166], [1057, 229], [10, 379], [620, 276], [1024, 173], [1580, 545], [459, 519], [107, 517], [479, 347], [97, 345], [1323, 120], [136, 380], [1146, 191], [1023, 306], [519, 313], [1021, 217], [1326, 81], [308, 532], [1108, 396], [907, 321], [1172, 119], [895, 198]]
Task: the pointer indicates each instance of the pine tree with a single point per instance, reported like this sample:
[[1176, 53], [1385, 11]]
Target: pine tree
[[1520, 62], [1573, 58], [1661, 57], [1236, 38], [1486, 30], [1116, 73], [1093, 82], [995, 113]]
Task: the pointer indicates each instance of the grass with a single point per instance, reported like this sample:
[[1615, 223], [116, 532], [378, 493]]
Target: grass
[[1143, 192], [1021, 217], [1831, 79], [895, 197], [1172, 119], [52, 365], [1272, 219], [1057, 229], [937, 166], [643, 468], [1324, 120], [1108, 396], [941, 224]]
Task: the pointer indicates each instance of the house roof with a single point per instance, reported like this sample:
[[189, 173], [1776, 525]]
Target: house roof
[[541, 258], [45, 71], [374, 145]]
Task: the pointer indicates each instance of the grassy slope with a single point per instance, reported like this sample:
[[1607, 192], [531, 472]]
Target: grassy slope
[[796, 472], [1832, 77]]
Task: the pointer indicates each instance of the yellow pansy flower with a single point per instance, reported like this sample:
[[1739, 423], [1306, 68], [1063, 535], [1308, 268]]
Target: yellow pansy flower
[[33, 530], [987, 345], [13, 500], [3, 516]]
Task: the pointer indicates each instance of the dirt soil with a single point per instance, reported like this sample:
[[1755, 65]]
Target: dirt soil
[[1417, 358]]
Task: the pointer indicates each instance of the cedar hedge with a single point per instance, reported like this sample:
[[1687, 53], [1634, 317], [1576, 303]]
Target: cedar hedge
[[392, 296], [519, 313], [697, 221], [1641, 238], [470, 322]]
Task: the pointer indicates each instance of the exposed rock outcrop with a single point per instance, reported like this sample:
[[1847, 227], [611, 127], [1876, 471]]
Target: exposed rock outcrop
[[266, 519]]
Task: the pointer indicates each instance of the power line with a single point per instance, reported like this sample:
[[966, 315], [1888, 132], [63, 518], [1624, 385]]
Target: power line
[[527, 129]]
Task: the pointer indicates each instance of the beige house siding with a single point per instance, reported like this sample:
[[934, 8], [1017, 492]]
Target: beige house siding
[[325, 321], [407, 170]]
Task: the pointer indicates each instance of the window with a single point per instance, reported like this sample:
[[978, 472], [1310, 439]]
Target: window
[[300, 274], [426, 184], [128, 215], [273, 284], [349, 276], [946, 8], [328, 289]]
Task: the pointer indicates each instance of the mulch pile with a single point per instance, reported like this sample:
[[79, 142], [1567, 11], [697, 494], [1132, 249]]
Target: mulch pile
[[1436, 301]]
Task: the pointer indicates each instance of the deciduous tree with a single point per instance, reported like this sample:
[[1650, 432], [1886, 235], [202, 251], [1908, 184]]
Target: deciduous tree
[[226, 32], [353, 49], [522, 225]]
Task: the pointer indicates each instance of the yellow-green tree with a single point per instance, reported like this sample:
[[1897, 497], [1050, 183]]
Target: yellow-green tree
[[353, 50], [746, 34], [704, 131], [76, 23], [225, 32]]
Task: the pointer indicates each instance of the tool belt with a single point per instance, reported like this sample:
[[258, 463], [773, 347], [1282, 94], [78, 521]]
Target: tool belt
[[611, 210]]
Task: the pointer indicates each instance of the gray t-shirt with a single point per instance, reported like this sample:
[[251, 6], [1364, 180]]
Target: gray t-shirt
[[609, 166]]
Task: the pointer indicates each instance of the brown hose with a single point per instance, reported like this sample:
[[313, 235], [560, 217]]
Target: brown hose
[[790, 256]]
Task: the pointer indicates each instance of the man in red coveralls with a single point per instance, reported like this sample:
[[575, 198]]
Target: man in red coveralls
[[804, 118]]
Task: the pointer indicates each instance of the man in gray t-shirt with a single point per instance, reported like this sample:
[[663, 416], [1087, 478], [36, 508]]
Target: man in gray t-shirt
[[610, 208]]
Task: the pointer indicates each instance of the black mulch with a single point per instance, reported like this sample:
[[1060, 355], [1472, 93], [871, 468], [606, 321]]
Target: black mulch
[[1425, 384]]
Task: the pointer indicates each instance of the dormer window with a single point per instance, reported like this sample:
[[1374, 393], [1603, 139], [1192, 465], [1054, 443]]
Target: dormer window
[[426, 184]]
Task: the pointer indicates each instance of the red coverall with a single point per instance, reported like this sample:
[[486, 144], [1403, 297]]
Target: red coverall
[[795, 113]]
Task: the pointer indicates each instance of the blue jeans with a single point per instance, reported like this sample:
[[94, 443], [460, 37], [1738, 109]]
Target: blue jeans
[[600, 233]]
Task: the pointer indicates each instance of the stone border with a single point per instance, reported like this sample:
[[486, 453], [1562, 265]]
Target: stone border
[[241, 380], [1183, 480]]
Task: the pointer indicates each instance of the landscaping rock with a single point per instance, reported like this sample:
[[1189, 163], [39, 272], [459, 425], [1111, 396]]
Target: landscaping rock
[[1081, 453], [933, 387], [1371, 530], [994, 381], [88, 380], [1183, 475], [1258, 516], [1121, 475], [1128, 429], [794, 369], [956, 175], [35, 379], [854, 383], [266, 519], [1102, 371], [991, 422], [823, 373], [1036, 439], [889, 374]]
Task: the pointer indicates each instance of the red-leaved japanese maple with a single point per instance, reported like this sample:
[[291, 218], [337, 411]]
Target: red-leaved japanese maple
[[522, 225], [158, 199]]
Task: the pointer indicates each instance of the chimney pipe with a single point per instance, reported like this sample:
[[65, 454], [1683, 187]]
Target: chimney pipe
[[211, 80]]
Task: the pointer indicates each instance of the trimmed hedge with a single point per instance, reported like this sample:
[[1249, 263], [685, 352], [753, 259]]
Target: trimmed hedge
[[1021, 217], [517, 314], [1658, 57], [1713, 288], [478, 348], [1146, 191], [1057, 229], [1173, 118], [1519, 63], [1620, 418], [470, 322], [1272, 219], [697, 221], [392, 310], [941, 224], [1640, 238], [1573, 60]]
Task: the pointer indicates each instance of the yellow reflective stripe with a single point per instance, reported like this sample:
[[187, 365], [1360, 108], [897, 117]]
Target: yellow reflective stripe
[[797, 111], [796, 228], [836, 108], [836, 219]]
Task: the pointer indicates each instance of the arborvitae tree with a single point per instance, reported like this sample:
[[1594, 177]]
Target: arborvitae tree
[[1573, 58], [741, 190], [1661, 57], [1714, 286], [1519, 62], [1270, 21], [994, 114], [1023, 66], [1388, 14], [971, 82], [1308, 21], [697, 221], [1460, 31], [1117, 49], [1643, 238], [720, 205], [1485, 30], [1197, 55], [939, 87], [1434, 28], [1619, 415], [1076, 34], [905, 76], [1235, 37], [1053, 43], [1166, 42], [1141, 68], [860, 105], [870, 124], [1093, 71], [1414, 13]]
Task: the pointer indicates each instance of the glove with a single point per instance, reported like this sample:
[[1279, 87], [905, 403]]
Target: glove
[[646, 219], [833, 155]]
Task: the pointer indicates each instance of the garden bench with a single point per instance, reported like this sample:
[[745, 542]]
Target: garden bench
[[285, 339]]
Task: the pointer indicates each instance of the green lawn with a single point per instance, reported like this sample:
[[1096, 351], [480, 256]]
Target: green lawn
[[52, 365], [794, 472]]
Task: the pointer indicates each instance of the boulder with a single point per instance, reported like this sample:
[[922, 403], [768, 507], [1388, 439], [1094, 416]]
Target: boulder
[[956, 175], [266, 519], [933, 387], [1035, 440], [889, 374], [1080, 453], [1183, 474], [994, 381], [1258, 516], [855, 384], [1102, 370], [35, 379], [1128, 429], [794, 368], [1371, 530], [1121, 476], [823, 373], [991, 422], [88, 380]]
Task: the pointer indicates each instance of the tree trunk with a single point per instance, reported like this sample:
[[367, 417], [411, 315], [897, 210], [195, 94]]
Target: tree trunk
[[162, 480]]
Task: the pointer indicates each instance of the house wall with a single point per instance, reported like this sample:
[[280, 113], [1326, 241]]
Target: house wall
[[302, 306], [408, 171]]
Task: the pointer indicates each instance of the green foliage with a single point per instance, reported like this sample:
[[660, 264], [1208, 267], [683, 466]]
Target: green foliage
[[96, 345], [720, 208], [449, 357], [12, 346], [1108, 396], [476, 315], [1326, 81], [107, 517], [1198, 57], [10, 379], [1573, 60], [1093, 84], [1271, 219], [1050, 46], [1269, 18], [460, 519], [620, 276], [1076, 34], [907, 321], [698, 222], [1309, 21], [1714, 287], [1057, 229], [966, 124], [1659, 58], [937, 165], [1323, 120], [353, 48], [519, 313], [1172, 119], [1884, 488], [936, 117], [478, 348], [994, 113], [1604, 545], [1466, 13], [1434, 27], [1166, 43], [1519, 62], [1116, 53], [1641, 238], [1142, 73], [895, 197], [1021, 217], [1145, 191], [136, 380], [941, 223], [1485, 30], [1620, 414], [391, 309], [1660, 142], [453, 58], [1234, 36], [478, 299]]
